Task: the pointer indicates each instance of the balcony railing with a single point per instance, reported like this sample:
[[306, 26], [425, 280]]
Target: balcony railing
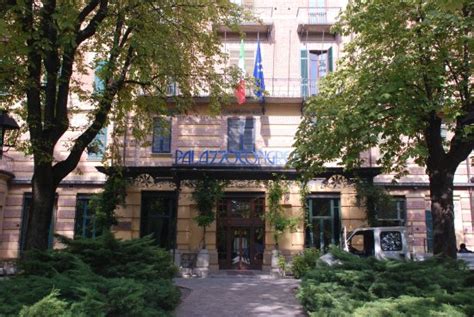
[[274, 87], [317, 15]]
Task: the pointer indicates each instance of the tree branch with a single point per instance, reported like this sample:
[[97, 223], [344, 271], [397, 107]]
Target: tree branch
[[87, 10], [63, 168], [61, 117], [33, 100], [91, 28], [51, 61]]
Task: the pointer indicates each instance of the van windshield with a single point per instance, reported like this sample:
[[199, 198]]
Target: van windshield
[[362, 243]]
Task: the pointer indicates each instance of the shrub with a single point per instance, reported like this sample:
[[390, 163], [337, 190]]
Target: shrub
[[102, 277], [49, 306], [110, 257], [367, 287], [304, 262]]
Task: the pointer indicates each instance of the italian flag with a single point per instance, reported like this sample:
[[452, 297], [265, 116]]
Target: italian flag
[[240, 89]]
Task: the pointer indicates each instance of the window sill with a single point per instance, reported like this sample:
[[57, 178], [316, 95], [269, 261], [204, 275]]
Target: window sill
[[165, 155]]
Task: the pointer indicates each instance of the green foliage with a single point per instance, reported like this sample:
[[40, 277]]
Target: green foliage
[[207, 192], [373, 198], [278, 220], [141, 47], [304, 262], [368, 287], [405, 75], [136, 258], [282, 265], [420, 54], [304, 192], [49, 306], [94, 277], [104, 204]]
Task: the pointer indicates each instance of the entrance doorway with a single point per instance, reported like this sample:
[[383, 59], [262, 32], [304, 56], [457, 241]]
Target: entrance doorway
[[158, 218], [241, 231]]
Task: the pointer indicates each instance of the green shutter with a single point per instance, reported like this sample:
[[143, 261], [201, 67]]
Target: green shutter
[[304, 73], [99, 83], [51, 231], [429, 230], [330, 60]]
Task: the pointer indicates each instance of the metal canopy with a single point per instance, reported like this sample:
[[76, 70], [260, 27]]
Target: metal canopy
[[230, 172], [7, 122]]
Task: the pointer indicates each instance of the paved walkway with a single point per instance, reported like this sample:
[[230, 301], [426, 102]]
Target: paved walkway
[[239, 296]]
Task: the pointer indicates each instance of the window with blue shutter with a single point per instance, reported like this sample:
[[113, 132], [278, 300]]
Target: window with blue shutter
[[241, 135], [84, 224], [96, 149], [161, 136]]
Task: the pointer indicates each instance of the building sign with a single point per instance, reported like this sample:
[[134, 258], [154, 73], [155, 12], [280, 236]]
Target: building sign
[[212, 157]]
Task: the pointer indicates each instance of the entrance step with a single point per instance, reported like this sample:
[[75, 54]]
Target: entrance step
[[241, 273]]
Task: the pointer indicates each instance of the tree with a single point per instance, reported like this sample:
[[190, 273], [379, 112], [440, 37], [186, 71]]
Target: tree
[[138, 48], [405, 76]]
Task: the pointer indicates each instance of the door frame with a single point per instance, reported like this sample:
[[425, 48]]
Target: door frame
[[227, 225]]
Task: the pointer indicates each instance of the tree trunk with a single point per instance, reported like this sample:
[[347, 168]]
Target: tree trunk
[[442, 209], [41, 209]]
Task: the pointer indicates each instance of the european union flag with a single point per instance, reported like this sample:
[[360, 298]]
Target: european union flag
[[258, 75]]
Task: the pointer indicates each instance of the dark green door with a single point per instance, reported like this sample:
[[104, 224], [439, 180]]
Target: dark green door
[[158, 218]]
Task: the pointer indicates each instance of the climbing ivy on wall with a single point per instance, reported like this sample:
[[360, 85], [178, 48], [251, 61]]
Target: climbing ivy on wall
[[278, 220], [105, 203], [206, 193], [373, 198]]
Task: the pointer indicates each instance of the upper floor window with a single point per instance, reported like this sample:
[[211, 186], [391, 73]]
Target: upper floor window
[[249, 59], [161, 136], [394, 213], [315, 65], [96, 149], [241, 134]]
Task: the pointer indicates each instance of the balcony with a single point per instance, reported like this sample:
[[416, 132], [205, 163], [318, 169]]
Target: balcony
[[274, 88], [316, 20], [252, 29]]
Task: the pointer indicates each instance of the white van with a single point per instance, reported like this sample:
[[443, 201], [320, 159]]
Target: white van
[[380, 242]]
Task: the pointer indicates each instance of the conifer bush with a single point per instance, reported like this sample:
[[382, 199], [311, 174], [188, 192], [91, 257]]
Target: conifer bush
[[304, 262], [368, 287], [101, 277]]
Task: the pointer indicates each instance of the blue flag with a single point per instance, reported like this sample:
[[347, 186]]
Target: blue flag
[[258, 75]]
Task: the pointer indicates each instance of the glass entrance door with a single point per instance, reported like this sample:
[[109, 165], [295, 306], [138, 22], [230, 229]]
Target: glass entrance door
[[240, 232], [240, 248]]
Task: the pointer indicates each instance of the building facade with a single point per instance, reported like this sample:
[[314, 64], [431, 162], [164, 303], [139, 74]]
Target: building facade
[[246, 145]]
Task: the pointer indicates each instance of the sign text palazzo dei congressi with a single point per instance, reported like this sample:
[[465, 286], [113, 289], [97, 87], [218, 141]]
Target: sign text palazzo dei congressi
[[216, 157]]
